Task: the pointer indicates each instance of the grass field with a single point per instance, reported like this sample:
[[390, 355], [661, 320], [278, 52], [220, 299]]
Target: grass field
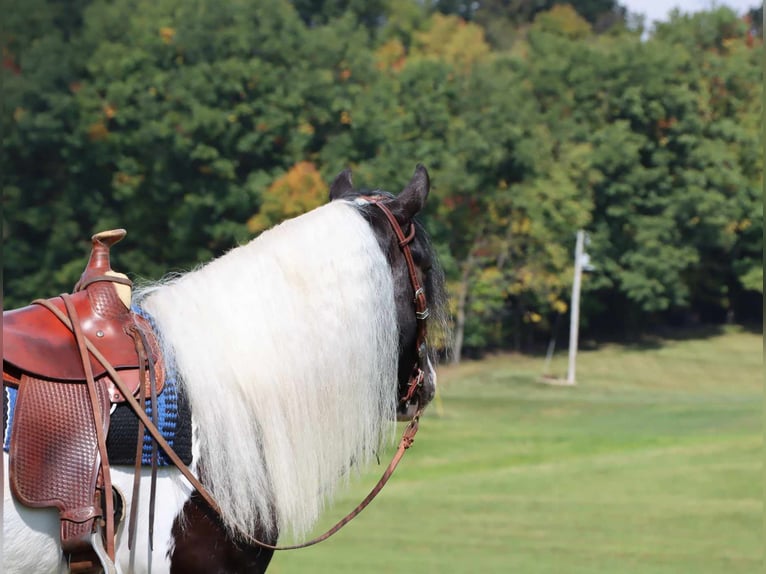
[[652, 464]]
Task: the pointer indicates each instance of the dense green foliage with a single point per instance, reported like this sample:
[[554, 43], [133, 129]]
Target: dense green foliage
[[176, 119], [652, 464]]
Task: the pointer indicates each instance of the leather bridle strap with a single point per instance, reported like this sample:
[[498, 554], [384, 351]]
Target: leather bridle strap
[[405, 443], [421, 303]]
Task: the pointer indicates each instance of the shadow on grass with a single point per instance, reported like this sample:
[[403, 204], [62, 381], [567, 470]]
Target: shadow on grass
[[638, 341], [658, 338]]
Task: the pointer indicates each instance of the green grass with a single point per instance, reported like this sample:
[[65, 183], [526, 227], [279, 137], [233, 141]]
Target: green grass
[[650, 465]]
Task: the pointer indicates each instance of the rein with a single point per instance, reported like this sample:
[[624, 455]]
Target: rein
[[416, 380]]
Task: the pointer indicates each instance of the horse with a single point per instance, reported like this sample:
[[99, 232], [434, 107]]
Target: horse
[[296, 353]]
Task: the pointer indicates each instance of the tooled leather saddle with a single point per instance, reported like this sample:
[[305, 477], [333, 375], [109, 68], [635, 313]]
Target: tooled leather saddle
[[64, 355]]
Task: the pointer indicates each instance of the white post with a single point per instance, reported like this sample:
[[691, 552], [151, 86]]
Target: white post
[[574, 317]]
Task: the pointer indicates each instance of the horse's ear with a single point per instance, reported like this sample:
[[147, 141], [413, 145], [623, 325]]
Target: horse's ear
[[413, 197], [341, 185]]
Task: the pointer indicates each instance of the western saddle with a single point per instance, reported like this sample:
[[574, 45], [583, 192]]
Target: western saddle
[[71, 358]]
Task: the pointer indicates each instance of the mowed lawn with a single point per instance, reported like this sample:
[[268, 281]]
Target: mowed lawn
[[652, 464]]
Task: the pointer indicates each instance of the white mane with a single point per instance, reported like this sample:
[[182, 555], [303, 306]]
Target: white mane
[[287, 348]]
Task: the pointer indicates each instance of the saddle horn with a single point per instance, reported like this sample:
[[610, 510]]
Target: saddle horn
[[99, 266]]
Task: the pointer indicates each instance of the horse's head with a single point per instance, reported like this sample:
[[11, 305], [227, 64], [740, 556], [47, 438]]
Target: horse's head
[[418, 280]]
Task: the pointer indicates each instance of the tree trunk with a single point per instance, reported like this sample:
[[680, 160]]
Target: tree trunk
[[457, 342], [462, 302], [518, 314]]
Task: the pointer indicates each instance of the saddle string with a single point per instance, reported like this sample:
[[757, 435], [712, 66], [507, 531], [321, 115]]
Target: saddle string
[[132, 521], [97, 418], [156, 422]]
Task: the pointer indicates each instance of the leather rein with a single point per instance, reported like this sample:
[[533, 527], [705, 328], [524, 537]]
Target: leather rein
[[415, 382]]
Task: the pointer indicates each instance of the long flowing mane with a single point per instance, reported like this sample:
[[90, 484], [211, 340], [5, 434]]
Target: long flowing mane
[[265, 339]]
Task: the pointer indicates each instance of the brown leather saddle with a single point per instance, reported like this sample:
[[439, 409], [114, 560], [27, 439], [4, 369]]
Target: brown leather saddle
[[61, 418]]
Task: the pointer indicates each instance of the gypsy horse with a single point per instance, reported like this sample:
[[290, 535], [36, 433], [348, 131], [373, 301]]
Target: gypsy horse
[[295, 353]]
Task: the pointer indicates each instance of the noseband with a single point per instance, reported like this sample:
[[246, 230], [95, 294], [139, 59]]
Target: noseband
[[421, 304]]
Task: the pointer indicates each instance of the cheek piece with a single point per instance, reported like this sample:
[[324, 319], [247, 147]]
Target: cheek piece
[[417, 377]]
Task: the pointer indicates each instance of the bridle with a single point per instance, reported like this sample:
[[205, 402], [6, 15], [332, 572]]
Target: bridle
[[417, 376], [415, 382]]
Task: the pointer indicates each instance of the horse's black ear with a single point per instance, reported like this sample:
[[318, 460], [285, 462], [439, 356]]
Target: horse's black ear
[[341, 185], [412, 199]]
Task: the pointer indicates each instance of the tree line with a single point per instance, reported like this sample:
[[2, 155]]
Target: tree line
[[196, 125]]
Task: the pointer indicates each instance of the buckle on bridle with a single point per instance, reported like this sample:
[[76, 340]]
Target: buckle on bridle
[[421, 315], [415, 383]]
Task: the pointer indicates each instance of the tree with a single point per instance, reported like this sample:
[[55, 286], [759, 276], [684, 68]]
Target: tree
[[162, 128], [299, 190], [43, 60], [369, 13], [679, 173], [505, 20], [183, 122]]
